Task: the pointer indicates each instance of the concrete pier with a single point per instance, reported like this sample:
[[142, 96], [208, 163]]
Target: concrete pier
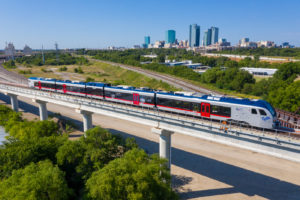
[[87, 119], [14, 102], [42, 108], [164, 143]]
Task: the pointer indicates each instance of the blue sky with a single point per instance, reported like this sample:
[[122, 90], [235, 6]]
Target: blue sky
[[102, 23]]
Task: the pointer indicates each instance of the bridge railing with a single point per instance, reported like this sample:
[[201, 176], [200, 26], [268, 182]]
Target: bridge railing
[[185, 124]]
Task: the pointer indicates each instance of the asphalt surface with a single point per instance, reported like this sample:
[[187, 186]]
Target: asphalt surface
[[11, 77]]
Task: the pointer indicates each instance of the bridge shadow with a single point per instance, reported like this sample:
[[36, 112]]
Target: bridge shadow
[[28, 108], [240, 180]]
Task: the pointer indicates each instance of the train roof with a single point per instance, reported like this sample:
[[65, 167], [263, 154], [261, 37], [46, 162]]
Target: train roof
[[222, 99]]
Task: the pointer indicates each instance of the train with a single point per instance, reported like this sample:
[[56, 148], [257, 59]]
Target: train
[[250, 112]]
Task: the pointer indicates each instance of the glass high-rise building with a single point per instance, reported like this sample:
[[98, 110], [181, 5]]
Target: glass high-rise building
[[207, 37], [170, 36], [194, 39], [147, 41], [214, 35]]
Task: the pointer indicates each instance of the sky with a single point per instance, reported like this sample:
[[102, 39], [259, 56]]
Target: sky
[[103, 23]]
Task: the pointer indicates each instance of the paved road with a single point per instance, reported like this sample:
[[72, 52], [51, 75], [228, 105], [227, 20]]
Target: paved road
[[11, 77], [202, 169], [179, 83]]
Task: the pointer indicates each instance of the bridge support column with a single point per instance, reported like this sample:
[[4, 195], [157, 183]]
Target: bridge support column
[[14, 102], [164, 144], [42, 108], [87, 119]]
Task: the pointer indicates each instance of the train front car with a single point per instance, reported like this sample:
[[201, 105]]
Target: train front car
[[256, 113]]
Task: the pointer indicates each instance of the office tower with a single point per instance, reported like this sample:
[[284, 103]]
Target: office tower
[[194, 39], [170, 36], [207, 37], [147, 40], [214, 35]]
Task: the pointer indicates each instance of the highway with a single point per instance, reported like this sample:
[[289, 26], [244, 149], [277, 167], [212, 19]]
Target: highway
[[201, 169], [11, 77], [177, 82]]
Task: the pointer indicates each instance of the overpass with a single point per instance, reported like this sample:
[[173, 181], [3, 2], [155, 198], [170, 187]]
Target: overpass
[[164, 124]]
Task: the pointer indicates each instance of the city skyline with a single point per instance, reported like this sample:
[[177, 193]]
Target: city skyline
[[79, 24]]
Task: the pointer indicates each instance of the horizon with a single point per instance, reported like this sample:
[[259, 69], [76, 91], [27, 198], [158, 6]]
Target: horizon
[[80, 25]]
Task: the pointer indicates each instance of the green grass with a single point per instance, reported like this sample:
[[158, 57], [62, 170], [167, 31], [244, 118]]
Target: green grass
[[100, 72]]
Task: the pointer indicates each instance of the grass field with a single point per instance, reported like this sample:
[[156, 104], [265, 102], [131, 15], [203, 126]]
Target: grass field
[[98, 71]]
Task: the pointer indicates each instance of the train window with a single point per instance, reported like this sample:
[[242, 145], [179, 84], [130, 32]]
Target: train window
[[262, 112], [175, 103], [75, 89], [253, 111], [220, 110], [119, 95], [59, 87], [36, 83], [147, 99], [48, 85], [94, 91], [203, 108]]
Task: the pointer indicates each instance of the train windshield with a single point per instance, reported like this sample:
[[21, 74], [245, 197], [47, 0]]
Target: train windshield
[[270, 108]]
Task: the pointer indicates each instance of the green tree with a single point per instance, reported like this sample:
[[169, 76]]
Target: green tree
[[23, 130], [17, 154], [40, 181], [134, 176]]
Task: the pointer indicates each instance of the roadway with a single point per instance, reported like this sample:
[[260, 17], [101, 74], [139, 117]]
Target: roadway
[[11, 77], [201, 169], [177, 82]]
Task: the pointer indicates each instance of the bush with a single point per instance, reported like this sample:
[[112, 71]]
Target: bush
[[10, 64]]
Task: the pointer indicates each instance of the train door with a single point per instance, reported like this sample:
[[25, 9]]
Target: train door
[[40, 85], [136, 99], [64, 88], [205, 109]]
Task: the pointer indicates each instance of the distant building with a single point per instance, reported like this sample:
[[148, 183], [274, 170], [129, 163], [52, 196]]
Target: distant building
[[207, 37], [244, 40], [159, 44], [260, 71], [136, 46], [214, 35], [170, 36], [147, 41], [10, 50], [265, 44], [194, 37], [183, 44], [27, 50]]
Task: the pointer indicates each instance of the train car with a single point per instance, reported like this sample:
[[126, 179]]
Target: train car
[[130, 95], [256, 113]]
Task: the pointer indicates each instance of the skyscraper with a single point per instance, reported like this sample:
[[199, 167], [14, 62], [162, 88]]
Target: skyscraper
[[207, 37], [170, 36], [214, 35], [147, 41], [194, 39]]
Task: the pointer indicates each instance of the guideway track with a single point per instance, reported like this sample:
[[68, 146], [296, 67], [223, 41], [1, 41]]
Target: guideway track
[[236, 136]]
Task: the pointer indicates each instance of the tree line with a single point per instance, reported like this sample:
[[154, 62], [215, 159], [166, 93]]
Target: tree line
[[282, 90], [39, 162], [52, 59], [263, 51]]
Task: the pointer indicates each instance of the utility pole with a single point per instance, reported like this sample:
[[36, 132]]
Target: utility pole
[[43, 56], [56, 49]]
